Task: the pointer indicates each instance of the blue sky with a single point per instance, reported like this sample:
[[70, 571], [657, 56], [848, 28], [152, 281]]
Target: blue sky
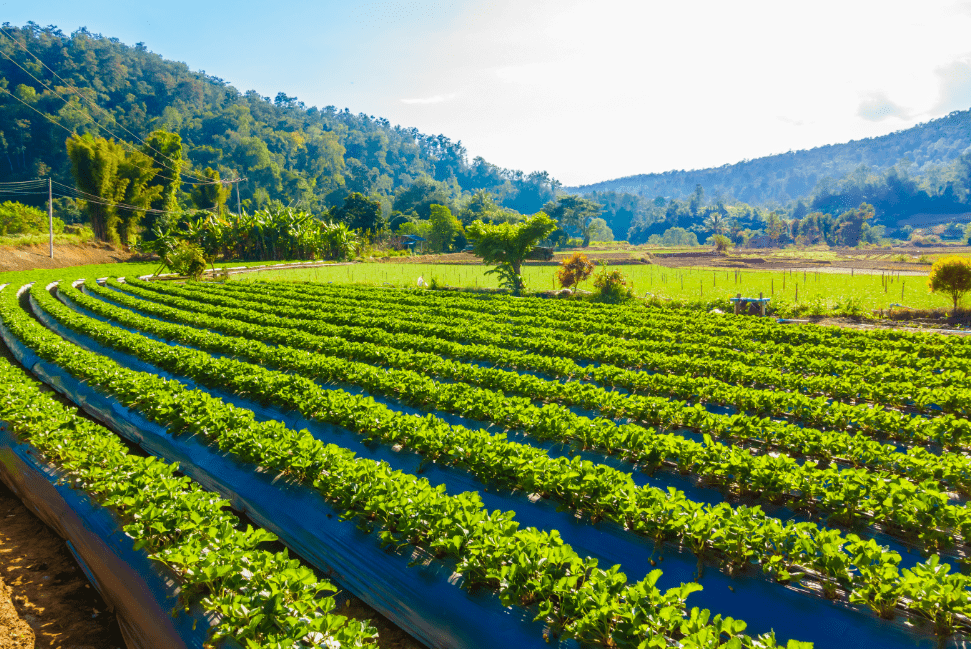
[[587, 90]]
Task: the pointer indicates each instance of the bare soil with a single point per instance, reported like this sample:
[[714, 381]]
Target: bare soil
[[15, 633], [49, 592], [38, 256]]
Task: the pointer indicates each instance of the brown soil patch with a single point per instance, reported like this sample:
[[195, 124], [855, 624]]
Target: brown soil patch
[[48, 589], [38, 256], [15, 633]]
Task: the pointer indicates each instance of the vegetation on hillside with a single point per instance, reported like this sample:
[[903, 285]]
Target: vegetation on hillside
[[307, 157]]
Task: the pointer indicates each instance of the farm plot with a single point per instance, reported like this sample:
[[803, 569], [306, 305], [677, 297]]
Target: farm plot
[[564, 471]]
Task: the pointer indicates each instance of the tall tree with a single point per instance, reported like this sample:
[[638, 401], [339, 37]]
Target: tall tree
[[210, 195], [94, 163], [444, 228], [574, 213], [359, 213], [165, 151], [135, 175]]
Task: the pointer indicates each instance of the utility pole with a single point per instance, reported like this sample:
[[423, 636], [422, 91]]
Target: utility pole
[[50, 213], [238, 209]]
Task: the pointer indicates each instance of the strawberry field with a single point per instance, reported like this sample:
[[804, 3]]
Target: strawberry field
[[497, 471]]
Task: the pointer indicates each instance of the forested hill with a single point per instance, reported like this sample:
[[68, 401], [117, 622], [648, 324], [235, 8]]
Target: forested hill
[[789, 176], [312, 157]]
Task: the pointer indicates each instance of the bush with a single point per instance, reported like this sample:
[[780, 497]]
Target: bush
[[612, 287], [574, 270], [186, 259], [720, 242], [16, 218]]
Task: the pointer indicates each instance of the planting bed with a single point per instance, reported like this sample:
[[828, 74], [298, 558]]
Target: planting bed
[[494, 471]]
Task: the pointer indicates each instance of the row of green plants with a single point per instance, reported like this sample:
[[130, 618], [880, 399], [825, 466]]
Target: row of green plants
[[850, 495], [527, 567], [953, 470], [686, 320], [672, 335], [857, 380], [220, 564], [864, 572], [728, 333], [946, 429]]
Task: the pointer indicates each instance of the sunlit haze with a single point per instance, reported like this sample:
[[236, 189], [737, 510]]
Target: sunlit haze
[[588, 91]]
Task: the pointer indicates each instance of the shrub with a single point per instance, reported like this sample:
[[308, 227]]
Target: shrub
[[720, 242], [186, 259], [952, 277], [16, 218], [574, 270], [612, 287]]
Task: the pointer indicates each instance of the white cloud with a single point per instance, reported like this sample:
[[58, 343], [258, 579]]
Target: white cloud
[[435, 99]]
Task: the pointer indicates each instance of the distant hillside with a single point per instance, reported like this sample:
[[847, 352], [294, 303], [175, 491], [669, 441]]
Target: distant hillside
[[779, 179], [307, 156]]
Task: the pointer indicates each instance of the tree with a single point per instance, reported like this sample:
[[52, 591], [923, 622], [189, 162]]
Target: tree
[[210, 195], [444, 228], [94, 163], [505, 245], [135, 175], [850, 224], [359, 213], [574, 213], [420, 196], [720, 242], [950, 276], [599, 231], [165, 151], [574, 270]]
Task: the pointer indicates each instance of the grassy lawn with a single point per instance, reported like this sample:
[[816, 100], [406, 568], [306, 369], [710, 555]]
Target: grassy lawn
[[871, 291]]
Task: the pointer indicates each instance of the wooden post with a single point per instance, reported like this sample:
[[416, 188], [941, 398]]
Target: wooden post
[[797, 292], [761, 305], [738, 302], [773, 286], [50, 213]]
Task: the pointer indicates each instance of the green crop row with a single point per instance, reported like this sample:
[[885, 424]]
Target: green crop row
[[219, 565], [945, 429], [951, 468], [658, 336], [676, 321], [853, 495], [719, 335], [735, 537], [526, 567]]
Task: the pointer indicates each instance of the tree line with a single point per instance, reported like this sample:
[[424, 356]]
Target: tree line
[[308, 158]]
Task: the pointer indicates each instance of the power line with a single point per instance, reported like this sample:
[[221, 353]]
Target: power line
[[82, 97], [74, 133], [101, 200]]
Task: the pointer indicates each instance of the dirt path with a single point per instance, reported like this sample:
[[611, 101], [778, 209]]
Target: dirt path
[[15, 633], [49, 591], [32, 257]]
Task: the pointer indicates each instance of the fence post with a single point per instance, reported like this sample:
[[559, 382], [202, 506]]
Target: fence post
[[761, 304], [738, 301]]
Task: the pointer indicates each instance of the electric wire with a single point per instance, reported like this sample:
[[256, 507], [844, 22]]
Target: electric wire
[[83, 98], [74, 133]]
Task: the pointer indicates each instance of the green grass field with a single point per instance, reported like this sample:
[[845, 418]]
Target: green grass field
[[869, 291]]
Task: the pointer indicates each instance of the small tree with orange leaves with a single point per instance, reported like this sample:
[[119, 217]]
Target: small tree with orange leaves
[[574, 270]]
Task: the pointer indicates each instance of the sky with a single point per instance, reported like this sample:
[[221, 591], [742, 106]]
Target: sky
[[588, 90]]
